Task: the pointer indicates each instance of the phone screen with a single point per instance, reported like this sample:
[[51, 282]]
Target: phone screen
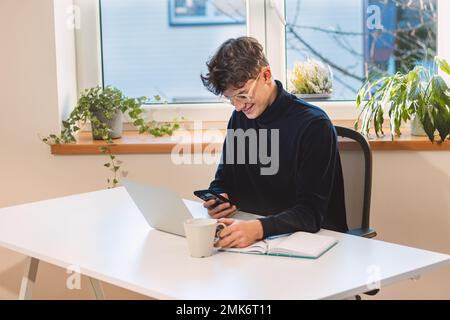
[[207, 195]]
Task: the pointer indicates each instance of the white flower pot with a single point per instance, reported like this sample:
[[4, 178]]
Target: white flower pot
[[417, 127], [315, 96], [115, 124]]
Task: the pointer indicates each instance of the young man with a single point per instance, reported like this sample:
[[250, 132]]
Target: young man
[[306, 192]]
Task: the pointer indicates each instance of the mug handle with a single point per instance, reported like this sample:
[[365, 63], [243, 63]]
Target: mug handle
[[219, 228]]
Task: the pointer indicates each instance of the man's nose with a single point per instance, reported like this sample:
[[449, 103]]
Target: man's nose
[[239, 106]]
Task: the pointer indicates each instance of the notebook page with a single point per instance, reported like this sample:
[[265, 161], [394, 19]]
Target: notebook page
[[258, 247], [302, 244]]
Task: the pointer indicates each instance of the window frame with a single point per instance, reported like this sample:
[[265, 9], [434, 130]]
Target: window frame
[[264, 22]]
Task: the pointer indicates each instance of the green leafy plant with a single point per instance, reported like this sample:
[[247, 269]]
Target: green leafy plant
[[114, 165], [107, 102], [421, 93], [98, 105]]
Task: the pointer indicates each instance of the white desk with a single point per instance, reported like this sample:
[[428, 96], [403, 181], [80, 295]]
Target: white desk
[[105, 235]]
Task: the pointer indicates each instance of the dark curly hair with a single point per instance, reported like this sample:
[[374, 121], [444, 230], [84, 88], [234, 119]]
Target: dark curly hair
[[234, 63]]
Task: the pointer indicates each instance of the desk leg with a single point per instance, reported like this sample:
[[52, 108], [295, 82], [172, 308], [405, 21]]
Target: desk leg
[[28, 278], [97, 288]]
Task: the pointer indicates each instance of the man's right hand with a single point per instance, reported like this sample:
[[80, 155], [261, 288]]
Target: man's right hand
[[222, 211]]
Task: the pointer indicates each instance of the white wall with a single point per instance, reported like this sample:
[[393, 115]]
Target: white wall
[[410, 189]]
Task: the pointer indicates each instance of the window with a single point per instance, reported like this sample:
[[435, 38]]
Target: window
[[161, 47], [361, 38]]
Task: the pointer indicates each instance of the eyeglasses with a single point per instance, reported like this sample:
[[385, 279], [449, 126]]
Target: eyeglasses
[[242, 98]]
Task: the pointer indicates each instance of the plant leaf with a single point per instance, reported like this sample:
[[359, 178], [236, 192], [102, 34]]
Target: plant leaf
[[443, 65]]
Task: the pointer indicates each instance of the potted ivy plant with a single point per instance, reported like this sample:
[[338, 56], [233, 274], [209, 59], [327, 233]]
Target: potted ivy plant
[[420, 96], [104, 109], [311, 79]]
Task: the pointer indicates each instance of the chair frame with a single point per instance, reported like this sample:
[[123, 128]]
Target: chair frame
[[365, 230]]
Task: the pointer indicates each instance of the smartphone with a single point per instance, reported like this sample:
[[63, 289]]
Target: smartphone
[[207, 195]]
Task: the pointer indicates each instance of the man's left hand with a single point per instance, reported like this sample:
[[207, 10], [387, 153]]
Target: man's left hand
[[239, 234]]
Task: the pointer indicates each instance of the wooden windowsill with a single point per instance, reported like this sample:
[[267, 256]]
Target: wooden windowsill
[[133, 143]]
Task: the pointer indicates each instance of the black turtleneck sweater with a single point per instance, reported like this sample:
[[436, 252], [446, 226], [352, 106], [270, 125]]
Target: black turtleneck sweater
[[307, 192]]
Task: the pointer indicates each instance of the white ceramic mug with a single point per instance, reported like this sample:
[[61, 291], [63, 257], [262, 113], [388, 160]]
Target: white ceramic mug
[[201, 234]]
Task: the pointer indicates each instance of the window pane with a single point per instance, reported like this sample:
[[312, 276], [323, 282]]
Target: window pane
[[161, 47], [361, 37]]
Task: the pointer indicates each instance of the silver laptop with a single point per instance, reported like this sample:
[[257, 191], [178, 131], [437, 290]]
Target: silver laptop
[[163, 209]]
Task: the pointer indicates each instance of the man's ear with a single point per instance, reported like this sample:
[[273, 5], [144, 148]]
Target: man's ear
[[267, 74]]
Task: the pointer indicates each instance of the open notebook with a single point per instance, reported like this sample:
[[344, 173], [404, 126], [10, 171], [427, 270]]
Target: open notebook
[[297, 245]]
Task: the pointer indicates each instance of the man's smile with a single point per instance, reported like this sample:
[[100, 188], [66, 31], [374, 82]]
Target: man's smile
[[249, 108]]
